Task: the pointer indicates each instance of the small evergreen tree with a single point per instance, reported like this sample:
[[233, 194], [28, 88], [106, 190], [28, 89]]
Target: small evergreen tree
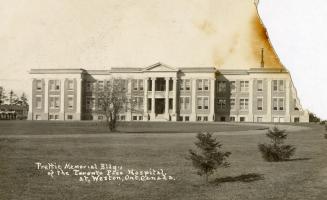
[[276, 150], [210, 156], [23, 99]]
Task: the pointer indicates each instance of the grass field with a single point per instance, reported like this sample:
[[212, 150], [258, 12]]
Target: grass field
[[249, 177], [90, 127]]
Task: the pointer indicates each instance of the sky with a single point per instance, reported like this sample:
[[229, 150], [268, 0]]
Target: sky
[[227, 34]]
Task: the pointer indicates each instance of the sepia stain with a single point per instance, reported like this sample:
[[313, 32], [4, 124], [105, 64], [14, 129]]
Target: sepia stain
[[219, 55], [260, 40], [205, 26]]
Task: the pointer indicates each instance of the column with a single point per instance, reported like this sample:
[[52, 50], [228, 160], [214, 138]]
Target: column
[[62, 99], [269, 118], [193, 88], [174, 114], [153, 115], [78, 99], [167, 98], [251, 101], [46, 100], [145, 100], [287, 101], [30, 101], [212, 100]]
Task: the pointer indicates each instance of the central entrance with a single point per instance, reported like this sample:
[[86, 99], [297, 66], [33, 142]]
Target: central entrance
[[160, 106]]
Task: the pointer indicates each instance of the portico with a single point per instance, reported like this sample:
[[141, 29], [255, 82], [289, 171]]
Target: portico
[[160, 93]]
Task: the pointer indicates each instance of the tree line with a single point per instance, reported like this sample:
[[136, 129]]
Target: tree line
[[11, 98]]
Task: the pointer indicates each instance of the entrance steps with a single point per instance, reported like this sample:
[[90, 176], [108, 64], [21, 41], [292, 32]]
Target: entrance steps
[[161, 118]]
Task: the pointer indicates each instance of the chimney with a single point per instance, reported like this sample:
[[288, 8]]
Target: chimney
[[262, 59]]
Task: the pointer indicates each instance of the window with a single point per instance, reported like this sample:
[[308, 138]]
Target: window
[[187, 103], [134, 84], [198, 118], [232, 86], [296, 119], [278, 103], [221, 86], [181, 84], [100, 85], [187, 85], [38, 84], [232, 119], [54, 85], [140, 103], [242, 119], [244, 104], [205, 118], [140, 118], [278, 85], [38, 100], [206, 103], [141, 84], [259, 85], [124, 84], [137, 84], [70, 117], [70, 101], [51, 117], [281, 104], [187, 118], [275, 85], [232, 104], [199, 103], [281, 85], [222, 119], [199, 84], [259, 103], [221, 104], [275, 104], [295, 105], [181, 103], [54, 102], [180, 118], [244, 86], [184, 103], [88, 86], [122, 117], [203, 103], [70, 84], [134, 118], [206, 84], [90, 103]]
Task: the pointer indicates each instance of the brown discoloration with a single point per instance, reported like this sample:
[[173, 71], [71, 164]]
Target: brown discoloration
[[259, 40], [206, 27], [217, 57], [220, 53]]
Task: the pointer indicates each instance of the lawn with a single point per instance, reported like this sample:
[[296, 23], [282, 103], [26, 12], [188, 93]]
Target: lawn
[[249, 177], [91, 127]]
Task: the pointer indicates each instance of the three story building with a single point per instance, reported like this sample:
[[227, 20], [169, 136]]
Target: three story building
[[165, 93]]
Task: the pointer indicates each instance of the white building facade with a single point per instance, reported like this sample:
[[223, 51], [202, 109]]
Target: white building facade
[[165, 93]]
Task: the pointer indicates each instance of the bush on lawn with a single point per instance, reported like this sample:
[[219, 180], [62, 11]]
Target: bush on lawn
[[276, 150], [210, 156]]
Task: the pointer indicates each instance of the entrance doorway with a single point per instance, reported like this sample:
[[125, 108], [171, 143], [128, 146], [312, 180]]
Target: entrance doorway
[[160, 106]]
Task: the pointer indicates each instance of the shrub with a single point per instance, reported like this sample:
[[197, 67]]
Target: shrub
[[210, 157], [276, 150]]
